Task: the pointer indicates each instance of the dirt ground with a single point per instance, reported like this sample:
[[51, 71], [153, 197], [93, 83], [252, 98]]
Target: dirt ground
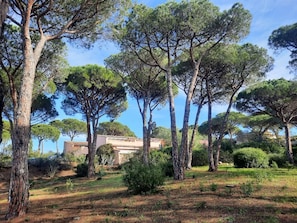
[[189, 201]]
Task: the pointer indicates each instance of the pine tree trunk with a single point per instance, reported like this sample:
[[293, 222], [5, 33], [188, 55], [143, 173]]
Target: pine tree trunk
[[2, 93], [19, 179], [289, 144], [191, 144], [175, 156], [145, 133], [91, 138], [211, 165], [91, 156]]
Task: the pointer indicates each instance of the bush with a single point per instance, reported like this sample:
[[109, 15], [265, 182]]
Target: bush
[[82, 170], [226, 157], [52, 166], [268, 146], [250, 158], [278, 159], [199, 157], [141, 178], [163, 158], [105, 154], [47, 166], [71, 157]]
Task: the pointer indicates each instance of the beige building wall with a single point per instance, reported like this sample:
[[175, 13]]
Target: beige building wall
[[124, 147], [77, 148]]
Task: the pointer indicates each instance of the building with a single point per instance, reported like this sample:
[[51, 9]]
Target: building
[[124, 146]]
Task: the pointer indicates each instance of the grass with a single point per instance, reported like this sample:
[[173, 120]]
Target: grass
[[229, 195]]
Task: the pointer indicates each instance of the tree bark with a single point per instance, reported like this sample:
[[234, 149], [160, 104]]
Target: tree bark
[[184, 142], [289, 144], [2, 94], [175, 155], [4, 5], [19, 180], [91, 138], [145, 133], [191, 144], [211, 166]]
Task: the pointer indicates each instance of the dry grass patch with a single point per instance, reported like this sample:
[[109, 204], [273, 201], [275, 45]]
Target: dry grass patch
[[228, 196]]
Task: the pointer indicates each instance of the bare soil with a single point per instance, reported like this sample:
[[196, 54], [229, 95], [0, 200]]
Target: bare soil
[[205, 197]]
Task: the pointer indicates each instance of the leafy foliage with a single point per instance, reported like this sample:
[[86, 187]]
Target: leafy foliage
[[277, 159], [82, 170], [142, 178], [173, 29], [45, 132], [268, 146], [285, 37], [276, 98], [105, 154], [114, 128], [94, 92], [70, 127], [165, 134], [250, 158], [162, 157], [200, 157]]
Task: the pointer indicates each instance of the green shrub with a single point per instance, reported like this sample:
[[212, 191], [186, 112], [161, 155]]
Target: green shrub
[[213, 187], [227, 145], [141, 178], [163, 158], [273, 165], [82, 170], [52, 167], [71, 157], [226, 156], [199, 157], [105, 154], [278, 159], [268, 146], [247, 188], [250, 158]]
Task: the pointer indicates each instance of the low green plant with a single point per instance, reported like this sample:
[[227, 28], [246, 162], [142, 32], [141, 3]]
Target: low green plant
[[70, 157], [202, 187], [142, 178], [247, 188], [51, 168], [161, 157], [277, 160], [274, 165], [260, 176], [82, 170], [250, 158], [229, 190], [213, 187], [69, 185]]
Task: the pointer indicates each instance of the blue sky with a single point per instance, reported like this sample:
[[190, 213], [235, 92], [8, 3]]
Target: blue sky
[[267, 16]]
